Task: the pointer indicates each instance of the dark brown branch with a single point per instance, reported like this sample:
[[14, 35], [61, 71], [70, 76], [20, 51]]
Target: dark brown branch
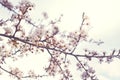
[[86, 70], [81, 64], [36, 76], [44, 47], [64, 75], [82, 23], [79, 37], [16, 26], [9, 72], [2, 22], [6, 4]]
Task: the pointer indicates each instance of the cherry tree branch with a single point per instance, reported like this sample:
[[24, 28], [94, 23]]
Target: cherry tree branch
[[19, 78], [9, 72], [68, 53], [66, 77]]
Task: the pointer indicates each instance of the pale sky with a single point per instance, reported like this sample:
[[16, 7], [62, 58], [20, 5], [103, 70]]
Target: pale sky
[[104, 16], [105, 25]]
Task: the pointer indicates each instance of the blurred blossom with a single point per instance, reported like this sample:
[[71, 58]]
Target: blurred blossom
[[90, 70], [8, 30], [84, 75], [45, 15], [85, 17], [1, 39]]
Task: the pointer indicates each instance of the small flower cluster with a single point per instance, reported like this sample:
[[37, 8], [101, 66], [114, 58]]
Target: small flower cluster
[[53, 66], [87, 71], [16, 72], [6, 4], [24, 6]]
